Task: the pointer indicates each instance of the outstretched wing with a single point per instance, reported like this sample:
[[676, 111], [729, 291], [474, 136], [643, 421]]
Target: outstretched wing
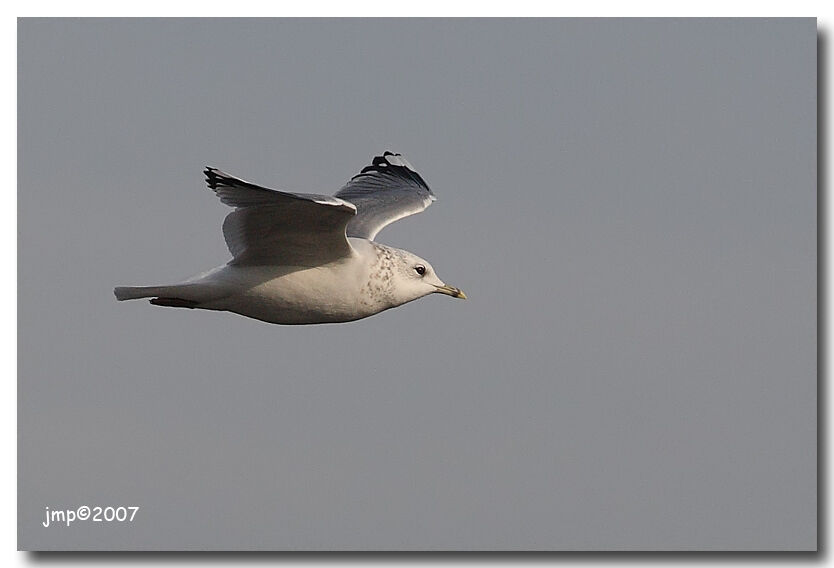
[[387, 190], [270, 227]]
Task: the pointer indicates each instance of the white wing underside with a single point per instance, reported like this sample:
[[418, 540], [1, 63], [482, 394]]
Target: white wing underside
[[383, 192], [270, 227]]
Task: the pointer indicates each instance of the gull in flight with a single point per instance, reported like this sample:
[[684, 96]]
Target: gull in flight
[[304, 258]]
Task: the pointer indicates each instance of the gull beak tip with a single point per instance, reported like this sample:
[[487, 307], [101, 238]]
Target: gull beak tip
[[451, 291]]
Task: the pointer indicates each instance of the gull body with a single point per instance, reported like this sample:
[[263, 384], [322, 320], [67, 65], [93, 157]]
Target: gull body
[[307, 259]]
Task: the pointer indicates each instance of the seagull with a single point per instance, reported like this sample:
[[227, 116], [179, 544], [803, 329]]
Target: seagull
[[307, 259]]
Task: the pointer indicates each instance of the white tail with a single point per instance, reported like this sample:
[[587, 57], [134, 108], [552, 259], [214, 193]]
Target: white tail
[[136, 292], [189, 295]]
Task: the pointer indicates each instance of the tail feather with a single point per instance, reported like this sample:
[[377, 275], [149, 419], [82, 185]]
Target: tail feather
[[136, 292], [177, 295]]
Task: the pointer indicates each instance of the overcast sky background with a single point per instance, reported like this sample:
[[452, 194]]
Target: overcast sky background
[[629, 205]]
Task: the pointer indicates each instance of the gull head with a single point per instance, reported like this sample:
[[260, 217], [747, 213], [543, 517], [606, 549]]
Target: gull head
[[413, 277]]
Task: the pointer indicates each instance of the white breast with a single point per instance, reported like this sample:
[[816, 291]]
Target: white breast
[[334, 292]]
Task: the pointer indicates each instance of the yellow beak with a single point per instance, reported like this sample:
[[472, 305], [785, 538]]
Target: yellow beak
[[451, 291]]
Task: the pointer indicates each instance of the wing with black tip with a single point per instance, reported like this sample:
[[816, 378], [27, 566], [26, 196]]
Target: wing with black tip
[[383, 192], [270, 227]]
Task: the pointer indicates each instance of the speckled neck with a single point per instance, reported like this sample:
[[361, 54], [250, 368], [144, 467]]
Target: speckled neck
[[379, 289]]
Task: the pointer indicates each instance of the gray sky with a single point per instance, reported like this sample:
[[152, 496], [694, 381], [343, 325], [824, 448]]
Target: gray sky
[[630, 206]]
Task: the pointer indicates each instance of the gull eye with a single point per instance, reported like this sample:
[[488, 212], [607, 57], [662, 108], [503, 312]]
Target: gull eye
[[420, 269]]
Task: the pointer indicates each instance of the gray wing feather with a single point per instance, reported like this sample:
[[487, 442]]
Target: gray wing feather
[[383, 192], [270, 227]]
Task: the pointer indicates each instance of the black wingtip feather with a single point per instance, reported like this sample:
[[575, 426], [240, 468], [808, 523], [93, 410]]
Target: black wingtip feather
[[396, 167], [217, 179], [211, 176]]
